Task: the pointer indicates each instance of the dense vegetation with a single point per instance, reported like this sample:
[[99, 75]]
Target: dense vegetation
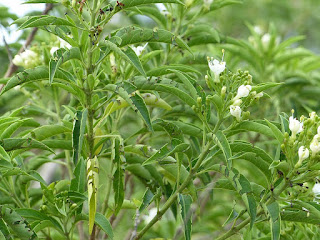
[[150, 119]]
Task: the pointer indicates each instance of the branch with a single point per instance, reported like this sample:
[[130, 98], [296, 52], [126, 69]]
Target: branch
[[12, 68]]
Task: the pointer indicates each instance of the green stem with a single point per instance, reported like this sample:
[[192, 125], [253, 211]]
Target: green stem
[[173, 197]]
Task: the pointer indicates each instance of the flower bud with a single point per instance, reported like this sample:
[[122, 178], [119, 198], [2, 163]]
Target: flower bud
[[223, 91]]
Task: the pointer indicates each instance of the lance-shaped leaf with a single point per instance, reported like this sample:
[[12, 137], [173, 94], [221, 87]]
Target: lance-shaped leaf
[[142, 108], [10, 144], [275, 220], [79, 127], [118, 177], [78, 183], [136, 35], [147, 199], [165, 152], [223, 143], [134, 100], [61, 56], [146, 85], [104, 224], [277, 133], [44, 20], [37, 74], [48, 131], [128, 55], [93, 182], [185, 203], [19, 226]]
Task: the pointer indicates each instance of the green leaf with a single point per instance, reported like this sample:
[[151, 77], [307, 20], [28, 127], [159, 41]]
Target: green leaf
[[79, 127], [78, 184], [223, 143], [217, 101], [187, 83], [48, 131], [5, 231], [133, 3], [36, 74], [10, 144], [147, 199], [4, 155], [165, 152], [127, 55], [251, 126], [275, 220], [247, 194], [142, 108], [58, 143], [185, 203], [118, 178], [146, 85], [44, 20], [136, 35], [134, 60], [264, 86], [163, 70], [104, 224], [19, 226], [61, 56], [277, 133]]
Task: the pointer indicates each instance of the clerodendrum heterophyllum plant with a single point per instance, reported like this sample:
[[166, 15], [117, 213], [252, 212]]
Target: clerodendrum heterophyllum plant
[[149, 137]]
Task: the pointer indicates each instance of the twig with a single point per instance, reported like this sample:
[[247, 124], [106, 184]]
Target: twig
[[136, 224], [8, 49], [12, 68]]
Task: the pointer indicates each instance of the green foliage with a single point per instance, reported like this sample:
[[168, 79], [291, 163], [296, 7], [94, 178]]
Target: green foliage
[[141, 128]]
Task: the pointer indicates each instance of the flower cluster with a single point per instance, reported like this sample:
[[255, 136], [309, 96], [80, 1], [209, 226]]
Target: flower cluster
[[27, 59], [305, 134]]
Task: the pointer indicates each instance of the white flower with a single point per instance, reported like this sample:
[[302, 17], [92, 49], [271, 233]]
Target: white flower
[[27, 59], [295, 126], [17, 60], [53, 50], [266, 40], [315, 145], [318, 130], [303, 153], [257, 30], [316, 189], [64, 44], [243, 91], [152, 214], [235, 111], [216, 67], [138, 50]]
